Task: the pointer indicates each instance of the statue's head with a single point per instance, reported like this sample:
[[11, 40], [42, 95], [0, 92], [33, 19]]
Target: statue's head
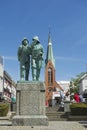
[[25, 42], [36, 38]]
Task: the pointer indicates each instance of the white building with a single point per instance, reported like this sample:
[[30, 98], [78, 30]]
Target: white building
[[9, 88], [83, 84], [7, 85], [65, 85]]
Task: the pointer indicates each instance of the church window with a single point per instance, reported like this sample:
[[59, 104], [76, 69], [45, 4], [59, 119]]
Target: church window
[[50, 76]]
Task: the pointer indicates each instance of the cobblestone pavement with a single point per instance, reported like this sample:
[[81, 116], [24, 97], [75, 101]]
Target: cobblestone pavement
[[53, 125]]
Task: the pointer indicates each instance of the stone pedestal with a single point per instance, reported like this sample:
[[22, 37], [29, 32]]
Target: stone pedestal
[[30, 104], [67, 106]]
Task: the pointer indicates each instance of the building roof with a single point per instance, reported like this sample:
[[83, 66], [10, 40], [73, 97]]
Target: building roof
[[63, 82], [84, 76], [49, 55], [7, 76]]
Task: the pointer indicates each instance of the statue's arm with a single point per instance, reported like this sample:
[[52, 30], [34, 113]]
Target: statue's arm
[[41, 53], [19, 52], [29, 50], [42, 50]]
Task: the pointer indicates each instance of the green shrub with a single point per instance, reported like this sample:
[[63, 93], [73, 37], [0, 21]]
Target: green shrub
[[78, 108], [4, 107]]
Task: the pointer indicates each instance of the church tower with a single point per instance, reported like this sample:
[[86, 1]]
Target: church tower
[[50, 66], [50, 81]]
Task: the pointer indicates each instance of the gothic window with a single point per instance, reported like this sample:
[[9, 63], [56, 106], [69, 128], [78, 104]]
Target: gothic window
[[50, 76]]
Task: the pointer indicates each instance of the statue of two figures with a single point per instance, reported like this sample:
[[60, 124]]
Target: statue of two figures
[[30, 54]]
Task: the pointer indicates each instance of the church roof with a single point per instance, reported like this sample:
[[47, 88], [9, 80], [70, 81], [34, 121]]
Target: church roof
[[49, 55]]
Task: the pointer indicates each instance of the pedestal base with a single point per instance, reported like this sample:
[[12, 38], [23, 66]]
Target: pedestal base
[[30, 105], [30, 120]]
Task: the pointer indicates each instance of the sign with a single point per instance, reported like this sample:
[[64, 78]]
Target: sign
[[56, 94]]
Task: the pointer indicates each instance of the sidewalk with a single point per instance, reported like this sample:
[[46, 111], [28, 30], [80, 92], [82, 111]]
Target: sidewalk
[[53, 125]]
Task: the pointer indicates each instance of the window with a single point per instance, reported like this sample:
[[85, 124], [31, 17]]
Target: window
[[50, 76]]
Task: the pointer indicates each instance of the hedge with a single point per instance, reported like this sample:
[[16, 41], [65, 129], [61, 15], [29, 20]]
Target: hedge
[[78, 108], [4, 107]]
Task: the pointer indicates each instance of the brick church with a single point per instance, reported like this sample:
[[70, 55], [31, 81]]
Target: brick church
[[50, 79]]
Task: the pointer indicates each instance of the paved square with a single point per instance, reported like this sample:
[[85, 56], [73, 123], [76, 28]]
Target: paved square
[[53, 125]]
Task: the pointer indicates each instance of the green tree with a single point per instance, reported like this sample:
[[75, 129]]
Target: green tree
[[75, 82]]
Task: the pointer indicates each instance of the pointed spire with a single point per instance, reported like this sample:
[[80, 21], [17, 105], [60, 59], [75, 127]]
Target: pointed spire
[[49, 55], [49, 37]]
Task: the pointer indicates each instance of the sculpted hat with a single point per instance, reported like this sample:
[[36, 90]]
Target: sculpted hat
[[25, 39], [36, 38]]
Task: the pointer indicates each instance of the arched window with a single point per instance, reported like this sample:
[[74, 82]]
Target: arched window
[[50, 76]]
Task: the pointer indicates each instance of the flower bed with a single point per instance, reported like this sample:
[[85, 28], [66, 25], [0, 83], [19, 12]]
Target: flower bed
[[4, 107], [78, 108]]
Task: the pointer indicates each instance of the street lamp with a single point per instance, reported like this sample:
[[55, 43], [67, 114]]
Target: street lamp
[[70, 86]]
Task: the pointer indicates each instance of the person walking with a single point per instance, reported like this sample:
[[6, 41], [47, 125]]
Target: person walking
[[76, 97]]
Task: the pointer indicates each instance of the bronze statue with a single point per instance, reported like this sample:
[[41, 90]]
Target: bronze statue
[[24, 59], [36, 58], [36, 52]]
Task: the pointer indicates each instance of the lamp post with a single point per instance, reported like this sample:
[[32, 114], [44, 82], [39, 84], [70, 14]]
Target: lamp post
[[70, 86]]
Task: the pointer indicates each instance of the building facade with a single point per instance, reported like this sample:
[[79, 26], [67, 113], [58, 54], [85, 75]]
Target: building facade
[[9, 88], [50, 81], [83, 84], [65, 85], [7, 85]]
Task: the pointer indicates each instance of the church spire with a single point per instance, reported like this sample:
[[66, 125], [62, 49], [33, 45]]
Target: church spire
[[49, 38], [49, 55]]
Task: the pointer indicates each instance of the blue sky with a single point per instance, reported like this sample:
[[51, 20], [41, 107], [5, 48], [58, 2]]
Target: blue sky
[[27, 18]]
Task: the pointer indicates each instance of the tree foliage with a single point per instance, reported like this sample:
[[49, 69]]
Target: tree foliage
[[75, 82], [77, 79]]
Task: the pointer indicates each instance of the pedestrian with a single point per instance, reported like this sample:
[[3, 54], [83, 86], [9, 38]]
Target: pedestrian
[[76, 97], [81, 97]]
